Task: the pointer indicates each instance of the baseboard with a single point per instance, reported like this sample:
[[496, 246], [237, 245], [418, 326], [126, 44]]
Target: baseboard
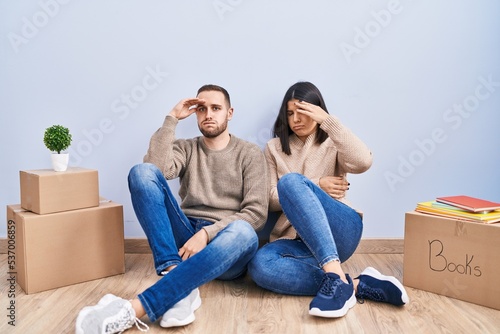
[[381, 246], [366, 246]]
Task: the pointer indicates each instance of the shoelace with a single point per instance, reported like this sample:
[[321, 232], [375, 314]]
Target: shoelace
[[139, 323], [369, 293], [329, 286], [125, 322]]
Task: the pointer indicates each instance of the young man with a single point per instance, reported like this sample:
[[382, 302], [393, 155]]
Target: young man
[[224, 199]]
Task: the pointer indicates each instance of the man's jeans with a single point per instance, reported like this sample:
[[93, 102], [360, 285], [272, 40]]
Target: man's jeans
[[328, 230], [167, 229]]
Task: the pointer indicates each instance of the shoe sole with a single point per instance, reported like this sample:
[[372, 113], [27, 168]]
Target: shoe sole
[[172, 322], [370, 271], [336, 313]]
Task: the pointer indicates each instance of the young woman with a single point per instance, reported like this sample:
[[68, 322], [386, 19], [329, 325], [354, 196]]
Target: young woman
[[318, 229]]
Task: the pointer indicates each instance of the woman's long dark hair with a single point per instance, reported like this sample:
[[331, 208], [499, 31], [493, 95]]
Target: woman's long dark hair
[[302, 91]]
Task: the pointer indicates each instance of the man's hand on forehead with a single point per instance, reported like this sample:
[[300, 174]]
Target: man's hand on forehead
[[194, 102], [186, 107]]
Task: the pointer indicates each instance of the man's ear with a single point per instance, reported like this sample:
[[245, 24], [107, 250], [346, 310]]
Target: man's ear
[[230, 113]]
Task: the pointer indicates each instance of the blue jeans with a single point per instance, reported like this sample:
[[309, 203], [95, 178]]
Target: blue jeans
[[167, 229], [328, 230]]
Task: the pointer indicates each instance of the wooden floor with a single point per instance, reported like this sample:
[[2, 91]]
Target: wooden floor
[[242, 307]]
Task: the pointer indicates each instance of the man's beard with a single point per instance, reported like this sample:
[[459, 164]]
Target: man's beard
[[214, 132]]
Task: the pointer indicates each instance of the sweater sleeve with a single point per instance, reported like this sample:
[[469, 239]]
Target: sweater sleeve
[[353, 155], [274, 203], [253, 208], [165, 152]]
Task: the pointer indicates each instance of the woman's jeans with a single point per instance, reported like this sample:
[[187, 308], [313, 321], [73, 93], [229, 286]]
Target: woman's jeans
[[328, 230], [167, 229]]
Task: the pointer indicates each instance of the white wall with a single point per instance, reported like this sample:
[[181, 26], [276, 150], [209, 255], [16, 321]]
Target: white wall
[[418, 81]]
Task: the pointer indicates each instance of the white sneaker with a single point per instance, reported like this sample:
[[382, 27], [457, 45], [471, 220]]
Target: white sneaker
[[182, 313], [111, 315]]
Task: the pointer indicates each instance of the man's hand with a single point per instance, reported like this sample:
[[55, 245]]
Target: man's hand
[[335, 186], [194, 245], [185, 108]]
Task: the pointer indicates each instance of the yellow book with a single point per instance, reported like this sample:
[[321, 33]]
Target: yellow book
[[443, 210]]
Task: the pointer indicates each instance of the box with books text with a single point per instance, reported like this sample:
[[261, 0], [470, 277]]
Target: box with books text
[[452, 257]]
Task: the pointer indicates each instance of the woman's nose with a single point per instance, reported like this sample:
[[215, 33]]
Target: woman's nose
[[296, 117]]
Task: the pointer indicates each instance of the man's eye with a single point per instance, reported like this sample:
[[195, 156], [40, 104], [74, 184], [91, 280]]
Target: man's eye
[[216, 108], [200, 109]]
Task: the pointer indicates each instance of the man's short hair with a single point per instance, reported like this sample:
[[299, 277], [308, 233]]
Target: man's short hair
[[216, 88]]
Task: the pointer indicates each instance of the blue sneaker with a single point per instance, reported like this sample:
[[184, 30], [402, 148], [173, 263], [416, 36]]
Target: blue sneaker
[[375, 286], [334, 298]]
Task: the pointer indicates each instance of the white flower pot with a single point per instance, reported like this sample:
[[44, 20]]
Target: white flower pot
[[60, 161]]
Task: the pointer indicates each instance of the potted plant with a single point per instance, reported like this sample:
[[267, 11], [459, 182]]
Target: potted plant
[[57, 138]]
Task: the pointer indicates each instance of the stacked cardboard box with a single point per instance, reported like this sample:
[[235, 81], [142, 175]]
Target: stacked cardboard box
[[64, 233]]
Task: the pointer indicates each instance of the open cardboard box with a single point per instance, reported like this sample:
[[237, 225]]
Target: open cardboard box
[[453, 258]]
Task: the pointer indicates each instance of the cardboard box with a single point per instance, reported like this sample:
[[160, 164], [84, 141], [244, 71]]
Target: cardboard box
[[453, 258], [46, 191], [59, 249]]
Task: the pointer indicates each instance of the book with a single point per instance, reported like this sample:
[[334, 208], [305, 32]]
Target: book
[[469, 203], [445, 210]]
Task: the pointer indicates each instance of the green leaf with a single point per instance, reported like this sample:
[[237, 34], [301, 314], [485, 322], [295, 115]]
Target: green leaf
[[57, 138]]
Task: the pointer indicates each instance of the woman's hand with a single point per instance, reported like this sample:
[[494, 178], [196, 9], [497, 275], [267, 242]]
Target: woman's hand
[[335, 186], [316, 113]]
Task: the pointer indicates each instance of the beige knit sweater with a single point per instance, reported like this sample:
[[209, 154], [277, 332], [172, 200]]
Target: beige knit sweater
[[219, 186], [340, 154]]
